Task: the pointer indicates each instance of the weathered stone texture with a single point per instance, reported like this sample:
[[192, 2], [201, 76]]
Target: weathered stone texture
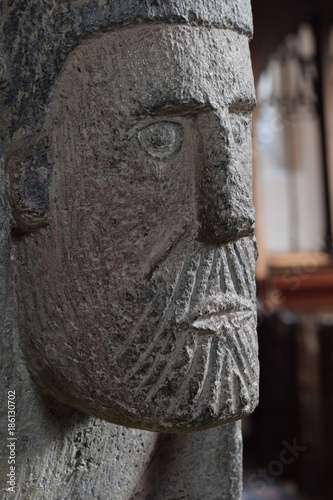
[[211, 453], [129, 162], [39, 35], [61, 453], [137, 299]]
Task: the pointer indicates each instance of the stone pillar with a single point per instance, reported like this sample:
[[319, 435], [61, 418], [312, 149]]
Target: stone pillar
[[128, 345]]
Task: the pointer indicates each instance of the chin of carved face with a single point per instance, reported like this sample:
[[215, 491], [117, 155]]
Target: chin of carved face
[[177, 354], [137, 300], [200, 366]]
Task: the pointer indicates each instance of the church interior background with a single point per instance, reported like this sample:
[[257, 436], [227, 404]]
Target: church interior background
[[292, 55]]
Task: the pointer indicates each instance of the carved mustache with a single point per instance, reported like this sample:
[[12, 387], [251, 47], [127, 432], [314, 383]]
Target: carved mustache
[[214, 281]]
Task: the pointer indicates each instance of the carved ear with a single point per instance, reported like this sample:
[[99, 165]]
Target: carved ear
[[29, 170]]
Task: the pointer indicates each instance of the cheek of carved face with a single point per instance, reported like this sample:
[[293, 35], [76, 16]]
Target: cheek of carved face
[[137, 300]]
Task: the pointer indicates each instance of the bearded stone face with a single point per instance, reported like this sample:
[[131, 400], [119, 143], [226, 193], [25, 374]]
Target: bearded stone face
[[136, 289]]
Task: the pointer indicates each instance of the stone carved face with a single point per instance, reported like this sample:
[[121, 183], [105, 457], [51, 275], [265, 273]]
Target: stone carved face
[[136, 294]]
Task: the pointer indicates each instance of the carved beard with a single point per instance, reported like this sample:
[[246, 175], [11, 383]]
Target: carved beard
[[189, 362], [201, 367]]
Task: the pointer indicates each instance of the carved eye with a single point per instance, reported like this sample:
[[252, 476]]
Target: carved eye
[[161, 139]]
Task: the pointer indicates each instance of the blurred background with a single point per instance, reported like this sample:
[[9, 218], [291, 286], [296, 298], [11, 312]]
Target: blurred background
[[288, 441]]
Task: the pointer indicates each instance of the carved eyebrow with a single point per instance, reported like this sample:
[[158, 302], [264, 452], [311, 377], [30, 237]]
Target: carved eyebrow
[[243, 105], [186, 109]]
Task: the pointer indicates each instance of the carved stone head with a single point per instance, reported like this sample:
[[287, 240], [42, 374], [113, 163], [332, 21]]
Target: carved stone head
[[133, 207]]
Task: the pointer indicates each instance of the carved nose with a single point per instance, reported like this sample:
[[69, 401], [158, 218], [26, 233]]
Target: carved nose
[[224, 184]]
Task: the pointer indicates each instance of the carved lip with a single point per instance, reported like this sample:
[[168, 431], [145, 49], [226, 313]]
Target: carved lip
[[211, 324], [211, 320]]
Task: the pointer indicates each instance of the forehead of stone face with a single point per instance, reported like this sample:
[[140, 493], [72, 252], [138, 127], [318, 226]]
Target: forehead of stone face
[[143, 68]]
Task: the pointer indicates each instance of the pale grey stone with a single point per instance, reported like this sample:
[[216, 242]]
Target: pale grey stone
[[136, 295], [136, 300], [194, 466]]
